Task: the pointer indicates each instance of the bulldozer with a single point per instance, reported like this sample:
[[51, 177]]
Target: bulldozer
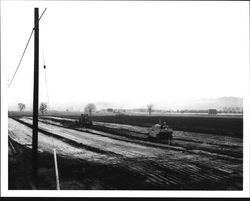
[[161, 131]]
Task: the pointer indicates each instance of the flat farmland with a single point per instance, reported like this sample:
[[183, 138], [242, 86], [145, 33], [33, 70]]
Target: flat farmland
[[230, 125], [193, 161]]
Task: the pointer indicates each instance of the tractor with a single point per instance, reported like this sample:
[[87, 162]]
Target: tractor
[[84, 121]]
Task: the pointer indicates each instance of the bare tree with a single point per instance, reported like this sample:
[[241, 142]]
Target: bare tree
[[43, 108], [150, 108], [21, 106], [90, 108]]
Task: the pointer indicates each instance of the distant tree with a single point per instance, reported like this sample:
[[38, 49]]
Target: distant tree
[[90, 108], [43, 108], [110, 110], [150, 108], [21, 106]]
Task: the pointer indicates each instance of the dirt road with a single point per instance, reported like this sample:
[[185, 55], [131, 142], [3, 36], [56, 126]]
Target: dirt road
[[195, 164]]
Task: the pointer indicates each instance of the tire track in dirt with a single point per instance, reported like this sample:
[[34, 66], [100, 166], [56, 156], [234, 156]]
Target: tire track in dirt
[[179, 147], [155, 179], [190, 148], [71, 142], [161, 173], [200, 176], [122, 138]]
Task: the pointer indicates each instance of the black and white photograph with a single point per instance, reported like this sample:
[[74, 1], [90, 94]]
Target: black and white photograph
[[125, 98]]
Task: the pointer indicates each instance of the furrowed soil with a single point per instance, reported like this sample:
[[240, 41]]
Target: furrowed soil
[[214, 124], [74, 174], [115, 157], [230, 125]]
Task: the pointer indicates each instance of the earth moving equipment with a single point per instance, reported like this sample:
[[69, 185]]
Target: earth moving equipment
[[159, 131], [84, 121]]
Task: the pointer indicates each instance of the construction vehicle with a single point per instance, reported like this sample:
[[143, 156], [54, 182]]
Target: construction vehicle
[[84, 121], [161, 131]]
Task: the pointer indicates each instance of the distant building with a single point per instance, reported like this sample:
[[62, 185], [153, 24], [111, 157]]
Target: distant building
[[212, 111]]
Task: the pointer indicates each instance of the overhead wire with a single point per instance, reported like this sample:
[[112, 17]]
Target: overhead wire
[[48, 104], [46, 82], [21, 58], [54, 148], [25, 49]]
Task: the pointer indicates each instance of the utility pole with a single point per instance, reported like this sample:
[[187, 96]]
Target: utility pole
[[35, 96]]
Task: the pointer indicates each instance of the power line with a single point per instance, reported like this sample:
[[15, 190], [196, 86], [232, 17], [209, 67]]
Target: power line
[[54, 147], [21, 57], [25, 49], [42, 14], [46, 83]]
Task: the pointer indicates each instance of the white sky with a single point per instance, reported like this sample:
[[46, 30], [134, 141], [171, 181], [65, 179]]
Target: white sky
[[128, 52]]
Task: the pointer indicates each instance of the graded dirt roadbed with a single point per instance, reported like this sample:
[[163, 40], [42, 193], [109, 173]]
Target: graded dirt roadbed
[[168, 167], [223, 146]]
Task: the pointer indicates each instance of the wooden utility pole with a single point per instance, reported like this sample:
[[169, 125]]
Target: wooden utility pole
[[35, 96]]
